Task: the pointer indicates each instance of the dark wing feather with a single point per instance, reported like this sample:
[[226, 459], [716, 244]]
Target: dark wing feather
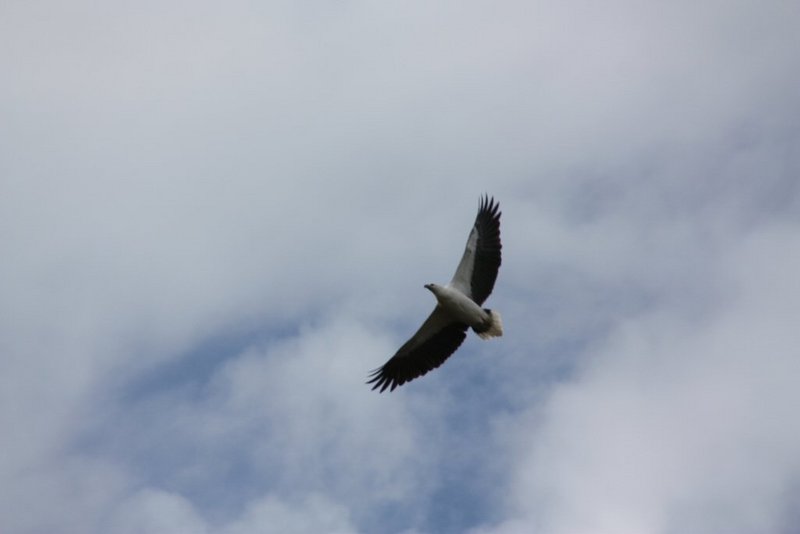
[[433, 343], [477, 271]]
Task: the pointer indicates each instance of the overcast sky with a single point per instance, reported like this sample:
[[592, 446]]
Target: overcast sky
[[217, 218]]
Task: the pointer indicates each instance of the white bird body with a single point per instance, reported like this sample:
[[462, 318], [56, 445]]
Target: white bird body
[[485, 323], [458, 307]]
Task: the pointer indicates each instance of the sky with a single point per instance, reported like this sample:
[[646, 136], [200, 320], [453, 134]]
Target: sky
[[217, 218]]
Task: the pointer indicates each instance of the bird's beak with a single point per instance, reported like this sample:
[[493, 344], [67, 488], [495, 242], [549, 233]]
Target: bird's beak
[[429, 287]]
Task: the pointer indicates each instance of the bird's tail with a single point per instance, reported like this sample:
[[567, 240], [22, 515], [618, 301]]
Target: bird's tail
[[495, 328]]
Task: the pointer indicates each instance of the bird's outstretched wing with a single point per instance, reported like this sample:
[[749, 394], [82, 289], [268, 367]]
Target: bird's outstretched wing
[[437, 338], [477, 271]]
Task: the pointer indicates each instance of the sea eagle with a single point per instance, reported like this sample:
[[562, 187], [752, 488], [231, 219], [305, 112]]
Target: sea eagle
[[458, 307]]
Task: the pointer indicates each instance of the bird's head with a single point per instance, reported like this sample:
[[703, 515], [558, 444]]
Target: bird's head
[[431, 287]]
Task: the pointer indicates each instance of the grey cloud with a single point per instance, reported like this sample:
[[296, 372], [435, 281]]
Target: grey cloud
[[678, 422], [287, 176]]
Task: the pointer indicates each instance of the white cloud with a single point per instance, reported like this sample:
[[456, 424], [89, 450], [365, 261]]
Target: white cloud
[[216, 220], [152, 511], [679, 422], [313, 514], [156, 512]]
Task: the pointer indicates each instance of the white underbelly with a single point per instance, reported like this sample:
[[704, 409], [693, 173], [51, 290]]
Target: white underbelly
[[462, 307]]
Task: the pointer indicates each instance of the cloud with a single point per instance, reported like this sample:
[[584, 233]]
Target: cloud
[[154, 511], [678, 423], [216, 221], [315, 514]]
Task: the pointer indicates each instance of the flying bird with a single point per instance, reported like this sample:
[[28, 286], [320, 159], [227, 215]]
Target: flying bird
[[458, 307]]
